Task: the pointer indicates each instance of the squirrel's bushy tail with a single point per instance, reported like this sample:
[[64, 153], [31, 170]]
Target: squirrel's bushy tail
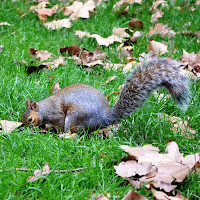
[[157, 73]]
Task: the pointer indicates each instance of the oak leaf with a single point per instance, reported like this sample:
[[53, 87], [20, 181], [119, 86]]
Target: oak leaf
[[58, 24], [157, 47]]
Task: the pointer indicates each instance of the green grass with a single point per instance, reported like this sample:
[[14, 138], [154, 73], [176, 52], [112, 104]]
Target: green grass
[[25, 149]]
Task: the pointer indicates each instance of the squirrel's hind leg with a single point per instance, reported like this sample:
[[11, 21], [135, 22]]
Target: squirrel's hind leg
[[74, 121]]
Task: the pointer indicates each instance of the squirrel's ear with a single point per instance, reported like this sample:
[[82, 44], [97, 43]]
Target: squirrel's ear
[[34, 106]]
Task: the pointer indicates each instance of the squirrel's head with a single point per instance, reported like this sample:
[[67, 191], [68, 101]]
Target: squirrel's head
[[31, 114]]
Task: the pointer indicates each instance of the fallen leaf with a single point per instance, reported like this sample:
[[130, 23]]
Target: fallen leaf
[[100, 40], [156, 4], [8, 126], [54, 88], [112, 78], [81, 34], [143, 57], [162, 30], [39, 173], [55, 63], [134, 196], [58, 24], [136, 23], [106, 41], [44, 12], [156, 15], [178, 125], [163, 171], [96, 62], [158, 195], [121, 32], [132, 168], [80, 10], [103, 197], [4, 24], [157, 47], [123, 3], [31, 68], [41, 55], [41, 5]]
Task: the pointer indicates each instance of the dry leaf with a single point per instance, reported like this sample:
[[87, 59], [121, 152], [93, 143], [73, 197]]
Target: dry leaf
[[58, 24], [81, 34], [134, 196], [106, 41], [161, 29], [158, 195], [178, 125], [103, 197], [156, 15], [111, 79], [4, 24], [123, 3], [40, 54], [54, 88], [80, 10], [44, 12], [121, 32], [156, 4], [39, 173], [143, 57], [41, 5], [163, 171], [55, 63], [136, 23], [100, 40], [96, 62], [8, 126], [132, 168], [157, 47]]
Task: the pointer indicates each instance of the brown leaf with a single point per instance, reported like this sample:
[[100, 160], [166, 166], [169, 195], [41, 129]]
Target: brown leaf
[[134, 196], [41, 5], [100, 40], [55, 88], [156, 4], [157, 47], [96, 62], [112, 78], [158, 195], [55, 63], [80, 10], [44, 12], [123, 3], [31, 68], [40, 54], [140, 151], [178, 125], [121, 32], [132, 168], [156, 15], [162, 30], [73, 50], [136, 23], [8, 126], [39, 173], [58, 24]]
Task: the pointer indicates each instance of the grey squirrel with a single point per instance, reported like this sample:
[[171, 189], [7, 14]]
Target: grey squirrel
[[80, 106]]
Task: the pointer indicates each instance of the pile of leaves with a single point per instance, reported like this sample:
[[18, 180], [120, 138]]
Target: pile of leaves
[[145, 166]]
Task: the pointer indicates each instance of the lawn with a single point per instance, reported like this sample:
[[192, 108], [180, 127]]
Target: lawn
[[95, 154]]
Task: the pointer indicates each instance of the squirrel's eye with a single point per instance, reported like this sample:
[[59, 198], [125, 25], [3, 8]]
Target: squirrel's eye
[[30, 119]]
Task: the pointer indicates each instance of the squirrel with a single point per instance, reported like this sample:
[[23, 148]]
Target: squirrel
[[80, 106]]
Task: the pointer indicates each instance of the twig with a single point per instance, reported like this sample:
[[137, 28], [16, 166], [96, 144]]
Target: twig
[[55, 171]]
